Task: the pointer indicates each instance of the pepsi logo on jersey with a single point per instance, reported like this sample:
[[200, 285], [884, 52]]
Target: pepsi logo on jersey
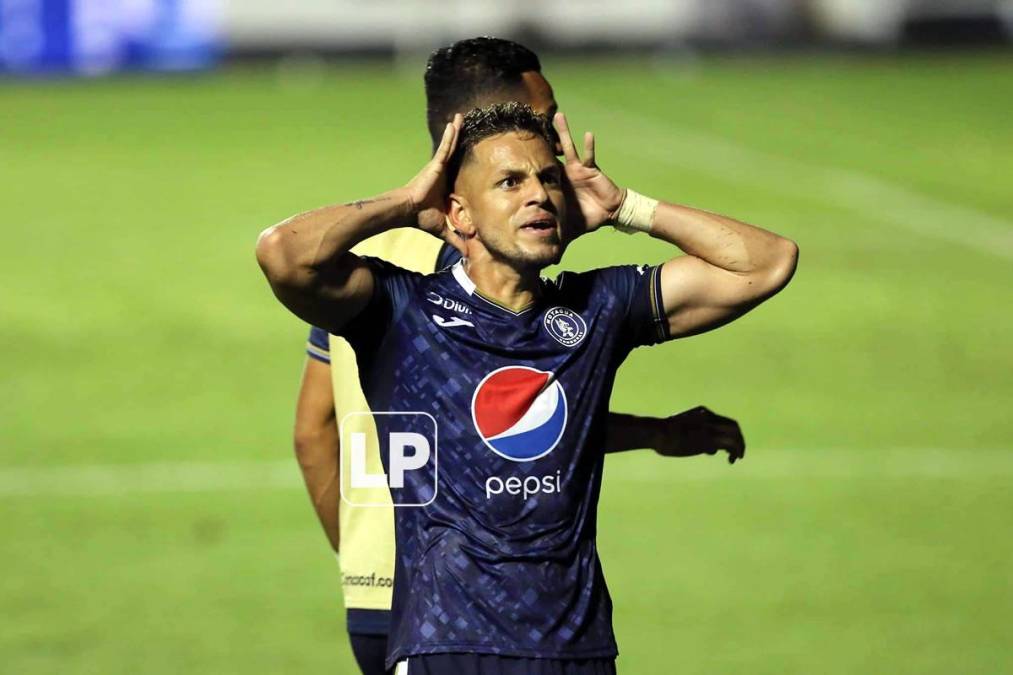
[[519, 412]]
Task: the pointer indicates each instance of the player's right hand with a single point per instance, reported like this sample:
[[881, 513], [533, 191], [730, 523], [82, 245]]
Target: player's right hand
[[427, 191], [700, 431]]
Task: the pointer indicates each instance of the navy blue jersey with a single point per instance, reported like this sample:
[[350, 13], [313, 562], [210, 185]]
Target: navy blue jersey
[[502, 559], [318, 343]]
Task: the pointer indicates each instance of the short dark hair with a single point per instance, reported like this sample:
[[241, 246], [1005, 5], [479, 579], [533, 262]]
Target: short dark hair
[[499, 118], [458, 76]]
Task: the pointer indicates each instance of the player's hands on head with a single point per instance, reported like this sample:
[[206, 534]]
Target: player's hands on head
[[427, 191], [592, 197], [699, 431]]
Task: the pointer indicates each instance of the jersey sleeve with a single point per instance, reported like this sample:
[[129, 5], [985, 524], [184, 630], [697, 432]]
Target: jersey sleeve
[[392, 290], [638, 288], [318, 345], [447, 256]]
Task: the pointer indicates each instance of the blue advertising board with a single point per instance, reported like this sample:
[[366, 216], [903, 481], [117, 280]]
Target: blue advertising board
[[94, 37]]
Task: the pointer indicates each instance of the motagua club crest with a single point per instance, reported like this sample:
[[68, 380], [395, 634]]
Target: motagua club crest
[[565, 326]]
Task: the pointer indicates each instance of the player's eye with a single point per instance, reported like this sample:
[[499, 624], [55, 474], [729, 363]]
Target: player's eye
[[551, 178], [508, 182]]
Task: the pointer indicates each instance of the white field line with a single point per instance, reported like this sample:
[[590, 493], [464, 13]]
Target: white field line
[[148, 477], [874, 199], [640, 467], [899, 463]]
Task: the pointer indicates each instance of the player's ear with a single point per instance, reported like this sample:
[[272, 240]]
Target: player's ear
[[459, 215]]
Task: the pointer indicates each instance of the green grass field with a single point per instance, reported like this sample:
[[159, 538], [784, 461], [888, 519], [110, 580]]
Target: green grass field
[[153, 521]]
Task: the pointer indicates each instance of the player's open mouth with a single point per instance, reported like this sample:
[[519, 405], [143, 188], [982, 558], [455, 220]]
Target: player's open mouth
[[541, 225]]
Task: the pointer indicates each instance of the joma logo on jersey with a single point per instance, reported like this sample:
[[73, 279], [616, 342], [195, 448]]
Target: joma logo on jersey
[[519, 412]]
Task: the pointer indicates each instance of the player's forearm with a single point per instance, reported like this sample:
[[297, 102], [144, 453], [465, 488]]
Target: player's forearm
[[722, 241], [295, 250], [629, 432], [317, 453]]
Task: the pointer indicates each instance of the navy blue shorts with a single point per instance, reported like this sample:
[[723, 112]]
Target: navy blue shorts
[[367, 631], [370, 652], [489, 664]]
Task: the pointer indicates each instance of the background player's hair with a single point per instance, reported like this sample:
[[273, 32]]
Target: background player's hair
[[499, 118], [459, 76]]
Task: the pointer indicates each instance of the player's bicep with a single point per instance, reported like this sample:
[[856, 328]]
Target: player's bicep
[[333, 297], [698, 297]]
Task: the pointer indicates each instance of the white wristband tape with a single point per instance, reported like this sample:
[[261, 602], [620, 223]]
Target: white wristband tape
[[636, 213]]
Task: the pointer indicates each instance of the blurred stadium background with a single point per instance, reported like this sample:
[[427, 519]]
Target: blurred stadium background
[[153, 518]]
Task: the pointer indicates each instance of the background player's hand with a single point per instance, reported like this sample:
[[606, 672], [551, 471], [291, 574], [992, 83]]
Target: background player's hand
[[427, 191], [592, 197], [699, 431]]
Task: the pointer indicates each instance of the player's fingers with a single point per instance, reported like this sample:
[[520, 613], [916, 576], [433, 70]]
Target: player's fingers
[[731, 442], [736, 449], [442, 153], [569, 152], [731, 433], [588, 148], [735, 453], [724, 424], [449, 140], [738, 439], [458, 122]]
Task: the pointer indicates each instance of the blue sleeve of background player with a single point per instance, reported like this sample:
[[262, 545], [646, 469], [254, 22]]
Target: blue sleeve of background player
[[392, 291], [318, 346]]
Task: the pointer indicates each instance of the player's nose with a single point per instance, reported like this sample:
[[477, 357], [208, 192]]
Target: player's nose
[[537, 194]]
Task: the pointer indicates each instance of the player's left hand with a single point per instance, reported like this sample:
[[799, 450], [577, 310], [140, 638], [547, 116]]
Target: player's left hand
[[700, 431], [593, 199]]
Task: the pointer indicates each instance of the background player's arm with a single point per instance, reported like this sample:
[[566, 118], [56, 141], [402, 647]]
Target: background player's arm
[[316, 445], [307, 258], [730, 268], [697, 431]]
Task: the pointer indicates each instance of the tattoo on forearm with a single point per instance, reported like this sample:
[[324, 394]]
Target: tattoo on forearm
[[358, 204]]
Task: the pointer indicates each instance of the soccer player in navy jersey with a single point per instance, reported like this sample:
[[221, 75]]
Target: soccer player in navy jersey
[[497, 571], [462, 76]]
